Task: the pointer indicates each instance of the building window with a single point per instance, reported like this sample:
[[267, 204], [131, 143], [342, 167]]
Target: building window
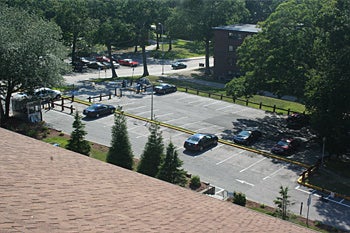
[[231, 48], [235, 35]]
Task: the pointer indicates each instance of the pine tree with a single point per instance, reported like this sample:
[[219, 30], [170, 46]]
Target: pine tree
[[283, 202], [170, 168], [77, 140], [153, 152], [120, 152]]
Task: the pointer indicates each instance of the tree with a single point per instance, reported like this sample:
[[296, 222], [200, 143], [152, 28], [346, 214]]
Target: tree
[[73, 18], [120, 152], [31, 54], [153, 152], [77, 140], [283, 202], [170, 168]]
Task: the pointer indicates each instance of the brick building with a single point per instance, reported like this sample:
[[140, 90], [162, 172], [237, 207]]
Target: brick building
[[227, 39]]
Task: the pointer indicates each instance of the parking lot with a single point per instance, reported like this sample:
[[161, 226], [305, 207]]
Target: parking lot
[[228, 168]]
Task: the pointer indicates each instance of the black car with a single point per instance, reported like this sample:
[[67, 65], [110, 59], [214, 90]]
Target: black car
[[178, 65], [199, 141], [247, 137], [164, 88], [297, 121], [97, 110], [285, 146]]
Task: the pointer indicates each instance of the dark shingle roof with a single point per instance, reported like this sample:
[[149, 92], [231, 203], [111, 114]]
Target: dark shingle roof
[[49, 189]]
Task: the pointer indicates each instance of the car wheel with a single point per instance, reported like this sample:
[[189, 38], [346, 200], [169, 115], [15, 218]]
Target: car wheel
[[112, 111], [97, 115], [201, 148]]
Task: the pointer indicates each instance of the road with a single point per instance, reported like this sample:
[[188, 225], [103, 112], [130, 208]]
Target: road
[[228, 168]]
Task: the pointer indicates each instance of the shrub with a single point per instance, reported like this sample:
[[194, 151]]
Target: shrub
[[195, 182], [239, 199]]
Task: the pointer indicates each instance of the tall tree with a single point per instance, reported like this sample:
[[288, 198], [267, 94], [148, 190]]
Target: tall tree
[[120, 152], [77, 140], [259, 10], [327, 89], [170, 169], [31, 54], [72, 16], [153, 152]]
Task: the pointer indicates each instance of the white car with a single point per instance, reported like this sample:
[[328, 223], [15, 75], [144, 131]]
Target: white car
[[45, 93]]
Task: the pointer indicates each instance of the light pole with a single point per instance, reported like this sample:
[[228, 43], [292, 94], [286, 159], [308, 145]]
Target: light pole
[[152, 102], [161, 35]]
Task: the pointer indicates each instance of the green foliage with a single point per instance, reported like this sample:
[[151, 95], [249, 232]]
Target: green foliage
[[170, 168], [195, 182], [239, 198], [153, 152], [120, 152], [31, 54], [236, 87], [283, 202], [77, 140]]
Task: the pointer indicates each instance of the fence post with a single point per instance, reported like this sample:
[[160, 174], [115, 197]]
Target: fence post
[[288, 111], [62, 107], [260, 105], [52, 104], [115, 91], [197, 92], [100, 96], [246, 102], [209, 94], [221, 97], [186, 89], [110, 96], [274, 108], [234, 99], [89, 99], [72, 98], [71, 109]]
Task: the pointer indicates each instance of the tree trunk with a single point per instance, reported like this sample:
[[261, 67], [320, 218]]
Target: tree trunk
[[144, 60], [74, 45], [109, 48], [207, 54], [170, 44]]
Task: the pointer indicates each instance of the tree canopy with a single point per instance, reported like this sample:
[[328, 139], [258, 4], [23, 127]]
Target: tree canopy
[[31, 54]]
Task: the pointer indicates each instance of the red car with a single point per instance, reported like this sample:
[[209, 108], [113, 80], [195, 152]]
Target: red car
[[285, 146], [128, 62], [103, 59]]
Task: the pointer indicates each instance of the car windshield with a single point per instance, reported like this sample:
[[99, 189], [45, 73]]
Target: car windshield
[[244, 133], [283, 143], [92, 107], [194, 138]]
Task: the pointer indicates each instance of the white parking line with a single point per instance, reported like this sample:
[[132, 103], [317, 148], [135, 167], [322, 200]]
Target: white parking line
[[219, 109], [222, 161], [190, 123], [192, 102], [136, 108], [175, 119], [216, 102], [166, 114], [270, 176], [252, 165], [242, 110], [244, 182]]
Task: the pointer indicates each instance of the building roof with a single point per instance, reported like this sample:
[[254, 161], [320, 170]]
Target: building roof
[[44, 188], [252, 28]]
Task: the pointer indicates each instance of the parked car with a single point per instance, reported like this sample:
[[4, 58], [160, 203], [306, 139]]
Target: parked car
[[247, 137], [164, 88], [285, 146], [97, 110], [97, 65], [297, 121], [199, 141], [102, 59], [46, 94], [128, 62], [178, 65]]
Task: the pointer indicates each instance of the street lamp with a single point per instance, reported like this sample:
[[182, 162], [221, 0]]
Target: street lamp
[[161, 35]]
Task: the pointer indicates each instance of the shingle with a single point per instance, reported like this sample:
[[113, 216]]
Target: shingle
[[49, 189]]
